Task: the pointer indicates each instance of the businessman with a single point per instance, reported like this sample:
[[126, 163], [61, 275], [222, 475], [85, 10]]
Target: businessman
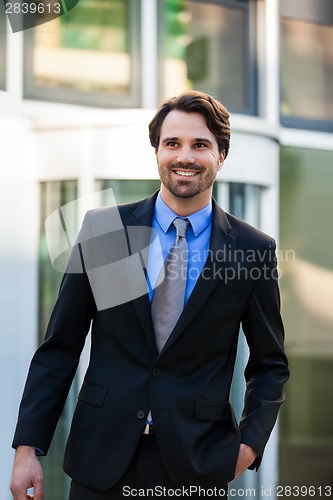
[[153, 411]]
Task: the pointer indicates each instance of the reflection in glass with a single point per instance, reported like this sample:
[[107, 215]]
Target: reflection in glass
[[306, 243], [88, 49], [306, 70], [206, 47], [126, 191]]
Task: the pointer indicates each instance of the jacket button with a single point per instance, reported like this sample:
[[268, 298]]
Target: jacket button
[[156, 372], [140, 414]]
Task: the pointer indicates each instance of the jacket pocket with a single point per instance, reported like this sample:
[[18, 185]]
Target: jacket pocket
[[92, 394], [213, 411]]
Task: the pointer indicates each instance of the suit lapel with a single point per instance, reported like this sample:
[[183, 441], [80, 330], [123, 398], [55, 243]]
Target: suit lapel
[[138, 229], [221, 244]]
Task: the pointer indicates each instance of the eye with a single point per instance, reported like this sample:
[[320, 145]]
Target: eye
[[200, 145], [172, 144]]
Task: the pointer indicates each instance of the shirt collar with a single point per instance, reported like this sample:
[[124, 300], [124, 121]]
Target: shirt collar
[[199, 220]]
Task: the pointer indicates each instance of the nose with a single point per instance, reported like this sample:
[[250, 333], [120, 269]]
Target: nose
[[185, 155]]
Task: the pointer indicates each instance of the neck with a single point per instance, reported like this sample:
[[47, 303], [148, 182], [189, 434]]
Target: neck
[[185, 206]]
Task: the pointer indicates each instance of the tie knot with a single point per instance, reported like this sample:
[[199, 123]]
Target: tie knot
[[181, 226]]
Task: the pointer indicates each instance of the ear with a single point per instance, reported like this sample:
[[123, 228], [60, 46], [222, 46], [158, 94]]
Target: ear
[[222, 158]]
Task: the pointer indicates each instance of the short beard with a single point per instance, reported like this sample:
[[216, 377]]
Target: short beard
[[176, 188]]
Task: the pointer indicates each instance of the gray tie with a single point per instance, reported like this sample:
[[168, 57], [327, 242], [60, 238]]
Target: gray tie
[[168, 300]]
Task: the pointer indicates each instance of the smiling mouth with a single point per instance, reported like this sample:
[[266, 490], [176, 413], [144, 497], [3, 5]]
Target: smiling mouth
[[186, 173]]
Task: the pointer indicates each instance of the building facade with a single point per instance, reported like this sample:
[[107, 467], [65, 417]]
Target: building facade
[[76, 97]]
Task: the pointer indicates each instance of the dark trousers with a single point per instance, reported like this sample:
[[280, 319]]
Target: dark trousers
[[146, 472]]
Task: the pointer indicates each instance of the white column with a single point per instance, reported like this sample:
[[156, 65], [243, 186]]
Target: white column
[[14, 69], [19, 227], [268, 22], [149, 53]]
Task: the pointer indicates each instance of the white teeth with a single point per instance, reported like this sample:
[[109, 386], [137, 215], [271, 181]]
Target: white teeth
[[185, 174]]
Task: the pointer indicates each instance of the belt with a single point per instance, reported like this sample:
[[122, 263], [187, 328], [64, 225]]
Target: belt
[[149, 430]]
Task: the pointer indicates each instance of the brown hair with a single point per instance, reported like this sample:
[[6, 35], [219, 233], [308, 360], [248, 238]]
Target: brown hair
[[216, 115]]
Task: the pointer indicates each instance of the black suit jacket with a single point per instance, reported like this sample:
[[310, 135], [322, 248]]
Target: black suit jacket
[[186, 386]]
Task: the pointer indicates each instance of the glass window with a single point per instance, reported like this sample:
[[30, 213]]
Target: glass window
[[244, 201], [306, 242], [90, 55], [207, 45], [54, 194], [126, 191], [307, 65], [3, 35]]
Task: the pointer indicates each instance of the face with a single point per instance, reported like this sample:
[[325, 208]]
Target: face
[[188, 158]]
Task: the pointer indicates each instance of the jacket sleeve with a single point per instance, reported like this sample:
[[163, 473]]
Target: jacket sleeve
[[267, 368], [53, 366]]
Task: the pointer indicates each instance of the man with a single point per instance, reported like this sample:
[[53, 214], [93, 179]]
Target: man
[[154, 411]]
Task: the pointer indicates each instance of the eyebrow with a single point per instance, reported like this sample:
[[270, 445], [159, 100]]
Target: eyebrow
[[167, 139], [197, 139]]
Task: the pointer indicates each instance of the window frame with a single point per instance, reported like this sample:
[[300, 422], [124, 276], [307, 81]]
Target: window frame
[[250, 50], [98, 99], [311, 17]]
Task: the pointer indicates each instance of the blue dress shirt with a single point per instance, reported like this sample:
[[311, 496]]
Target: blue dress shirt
[[197, 236]]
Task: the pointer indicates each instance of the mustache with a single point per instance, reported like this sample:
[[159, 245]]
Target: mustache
[[194, 167]]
